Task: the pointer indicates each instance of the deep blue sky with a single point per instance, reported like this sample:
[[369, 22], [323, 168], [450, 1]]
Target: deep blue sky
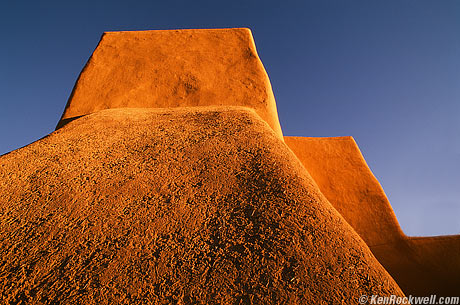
[[386, 72]]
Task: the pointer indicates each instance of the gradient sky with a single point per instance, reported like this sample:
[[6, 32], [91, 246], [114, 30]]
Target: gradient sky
[[385, 72]]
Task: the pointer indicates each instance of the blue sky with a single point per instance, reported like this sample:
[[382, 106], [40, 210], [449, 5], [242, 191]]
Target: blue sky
[[385, 72]]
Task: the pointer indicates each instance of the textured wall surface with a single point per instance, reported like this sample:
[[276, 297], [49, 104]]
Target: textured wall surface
[[193, 205]]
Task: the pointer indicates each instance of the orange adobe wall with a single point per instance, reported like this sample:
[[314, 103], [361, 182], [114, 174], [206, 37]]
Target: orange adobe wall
[[339, 169], [183, 193], [174, 68], [420, 265], [188, 205], [199, 200]]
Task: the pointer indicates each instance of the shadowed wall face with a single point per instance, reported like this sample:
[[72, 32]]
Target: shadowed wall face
[[163, 69]]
